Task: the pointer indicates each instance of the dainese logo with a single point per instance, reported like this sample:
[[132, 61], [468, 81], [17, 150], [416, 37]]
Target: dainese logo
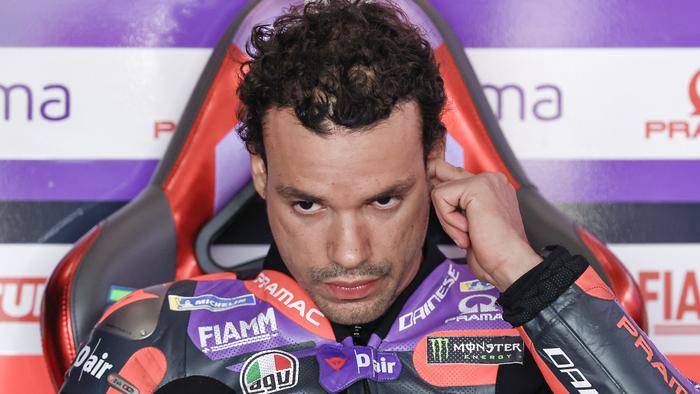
[[335, 362]]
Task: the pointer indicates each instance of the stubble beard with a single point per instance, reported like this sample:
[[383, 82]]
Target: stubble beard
[[354, 311]]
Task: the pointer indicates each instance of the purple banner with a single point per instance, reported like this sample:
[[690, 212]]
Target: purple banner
[[609, 181], [105, 23], [84, 180], [507, 23], [560, 181], [573, 23]]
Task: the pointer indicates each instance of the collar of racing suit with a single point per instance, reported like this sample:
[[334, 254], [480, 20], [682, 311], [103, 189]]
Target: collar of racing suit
[[432, 257]]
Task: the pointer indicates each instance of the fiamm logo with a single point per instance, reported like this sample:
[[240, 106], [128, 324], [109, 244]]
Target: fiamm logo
[[21, 102]]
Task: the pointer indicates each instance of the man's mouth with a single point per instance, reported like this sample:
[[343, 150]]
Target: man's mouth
[[352, 290]]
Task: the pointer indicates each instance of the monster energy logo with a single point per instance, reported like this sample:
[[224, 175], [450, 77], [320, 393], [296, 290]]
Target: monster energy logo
[[439, 350], [506, 349]]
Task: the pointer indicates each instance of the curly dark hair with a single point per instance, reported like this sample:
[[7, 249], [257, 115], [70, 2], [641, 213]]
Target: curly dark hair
[[341, 62]]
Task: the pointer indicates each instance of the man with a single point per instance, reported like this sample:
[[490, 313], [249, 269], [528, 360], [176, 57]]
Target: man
[[341, 107]]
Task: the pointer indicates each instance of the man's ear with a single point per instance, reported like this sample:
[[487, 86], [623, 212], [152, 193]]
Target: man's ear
[[258, 171], [437, 152]]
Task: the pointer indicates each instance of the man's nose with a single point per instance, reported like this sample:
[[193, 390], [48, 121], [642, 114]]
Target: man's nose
[[349, 242]]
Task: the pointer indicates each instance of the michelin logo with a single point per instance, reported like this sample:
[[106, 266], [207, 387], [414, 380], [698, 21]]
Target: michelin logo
[[209, 302], [474, 285]]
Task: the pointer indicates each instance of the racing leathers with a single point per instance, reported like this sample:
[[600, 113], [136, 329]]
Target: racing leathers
[[557, 329]]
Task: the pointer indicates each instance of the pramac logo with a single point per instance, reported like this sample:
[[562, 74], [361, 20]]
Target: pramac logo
[[694, 90], [24, 102], [286, 296], [674, 129]]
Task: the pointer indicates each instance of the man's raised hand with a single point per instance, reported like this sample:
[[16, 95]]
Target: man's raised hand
[[481, 215]]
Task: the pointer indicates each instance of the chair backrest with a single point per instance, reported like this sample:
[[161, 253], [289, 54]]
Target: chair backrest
[[203, 181]]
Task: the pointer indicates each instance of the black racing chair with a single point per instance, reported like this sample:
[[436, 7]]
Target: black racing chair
[[202, 186]]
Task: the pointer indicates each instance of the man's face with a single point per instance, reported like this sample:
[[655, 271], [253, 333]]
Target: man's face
[[348, 211]]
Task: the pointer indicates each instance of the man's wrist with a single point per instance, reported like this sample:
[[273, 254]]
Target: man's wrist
[[524, 261], [541, 285]]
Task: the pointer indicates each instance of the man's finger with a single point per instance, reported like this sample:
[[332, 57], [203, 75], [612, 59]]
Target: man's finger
[[443, 171], [452, 219]]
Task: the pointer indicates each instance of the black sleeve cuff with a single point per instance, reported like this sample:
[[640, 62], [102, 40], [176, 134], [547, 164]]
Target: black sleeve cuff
[[540, 286]]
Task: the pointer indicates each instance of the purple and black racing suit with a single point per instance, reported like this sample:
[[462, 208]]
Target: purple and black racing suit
[[557, 329]]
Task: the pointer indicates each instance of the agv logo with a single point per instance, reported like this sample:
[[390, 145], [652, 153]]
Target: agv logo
[[269, 372]]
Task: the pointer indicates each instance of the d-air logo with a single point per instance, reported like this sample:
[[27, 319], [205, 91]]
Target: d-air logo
[[341, 366], [474, 285], [209, 302], [121, 384], [386, 365], [92, 364], [269, 372], [475, 350]]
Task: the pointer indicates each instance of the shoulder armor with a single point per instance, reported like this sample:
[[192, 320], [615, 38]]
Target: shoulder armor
[[136, 315]]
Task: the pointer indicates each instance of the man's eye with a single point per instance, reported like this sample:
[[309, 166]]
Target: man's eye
[[385, 202], [306, 207]]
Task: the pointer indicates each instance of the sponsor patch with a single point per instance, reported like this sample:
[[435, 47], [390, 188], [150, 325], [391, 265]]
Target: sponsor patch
[[335, 362], [91, 362], [341, 366], [209, 302], [414, 317], [474, 285], [218, 337], [269, 372], [121, 384], [474, 350], [287, 297], [20, 299], [116, 293], [478, 307]]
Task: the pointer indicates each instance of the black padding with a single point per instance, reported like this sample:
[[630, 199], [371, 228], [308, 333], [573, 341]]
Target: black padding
[[540, 286], [136, 248], [195, 384], [137, 320], [216, 225]]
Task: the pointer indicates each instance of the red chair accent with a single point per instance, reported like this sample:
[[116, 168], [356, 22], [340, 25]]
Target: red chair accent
[[163, 235]]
